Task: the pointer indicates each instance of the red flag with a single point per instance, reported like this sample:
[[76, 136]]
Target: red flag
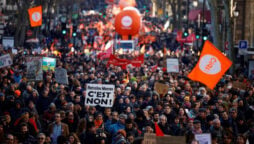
[[106, 54], [158, 131], [35, 16], [211, 66]]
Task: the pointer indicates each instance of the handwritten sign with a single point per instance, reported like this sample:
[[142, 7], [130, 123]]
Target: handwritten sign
[[161, 88], [151, 138]]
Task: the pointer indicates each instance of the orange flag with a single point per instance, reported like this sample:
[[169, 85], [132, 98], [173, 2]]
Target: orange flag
[[211, 66], [35, 16]]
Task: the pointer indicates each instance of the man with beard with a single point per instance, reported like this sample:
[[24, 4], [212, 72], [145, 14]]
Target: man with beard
[[156, 117], [129, 128], [23, 136]]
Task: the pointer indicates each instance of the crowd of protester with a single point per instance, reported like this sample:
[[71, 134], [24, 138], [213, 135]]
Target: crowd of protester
[[46, 112]]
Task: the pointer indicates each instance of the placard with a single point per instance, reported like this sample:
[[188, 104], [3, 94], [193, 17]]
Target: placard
[[5, 60], [161, 88], [173, 65], [151, 138], [48, 63], [251, 69], [8, 42], [240, 85], [34, 69], [204, 138], [125, 45], [99, 94], [61, 76]]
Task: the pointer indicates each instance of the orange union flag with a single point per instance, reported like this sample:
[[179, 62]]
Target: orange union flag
[[35, 16], [211, 66]]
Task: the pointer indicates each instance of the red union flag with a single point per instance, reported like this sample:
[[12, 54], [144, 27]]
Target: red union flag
[[211, 66], [35, 16]]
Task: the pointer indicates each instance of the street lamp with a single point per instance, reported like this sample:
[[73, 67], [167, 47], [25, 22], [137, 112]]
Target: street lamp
[[195, 3], [236, 13]]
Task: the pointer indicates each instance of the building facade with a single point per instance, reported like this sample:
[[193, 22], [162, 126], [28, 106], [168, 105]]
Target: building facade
[[244, 26]]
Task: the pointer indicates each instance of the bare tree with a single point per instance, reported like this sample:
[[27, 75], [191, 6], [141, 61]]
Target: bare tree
[[215, 24], [229, 21], [177, 13]]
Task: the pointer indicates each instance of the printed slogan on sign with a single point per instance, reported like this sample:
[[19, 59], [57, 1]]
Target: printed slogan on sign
[[97, 94]]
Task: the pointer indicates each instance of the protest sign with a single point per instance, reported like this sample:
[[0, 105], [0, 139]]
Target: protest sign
[[161, 88], [5, 60], [251, 69], [204, 138], [34, 69], [61, 76], [99, 94], [48, 63], [240, 85], [172, 65], [8, 42], [172, 139], [151, 138]]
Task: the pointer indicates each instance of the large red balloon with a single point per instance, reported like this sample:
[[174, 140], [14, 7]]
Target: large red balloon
[[126, 3], [128, 22]]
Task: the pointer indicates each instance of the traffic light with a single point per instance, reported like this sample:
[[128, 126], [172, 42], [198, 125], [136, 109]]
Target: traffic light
[[64, 29], [205, 34], [197, 33], [74, 32], [185, 33]]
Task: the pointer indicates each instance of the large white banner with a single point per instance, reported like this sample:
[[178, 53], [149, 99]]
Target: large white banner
[[173, 65], [99, 94], [5, 60]]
